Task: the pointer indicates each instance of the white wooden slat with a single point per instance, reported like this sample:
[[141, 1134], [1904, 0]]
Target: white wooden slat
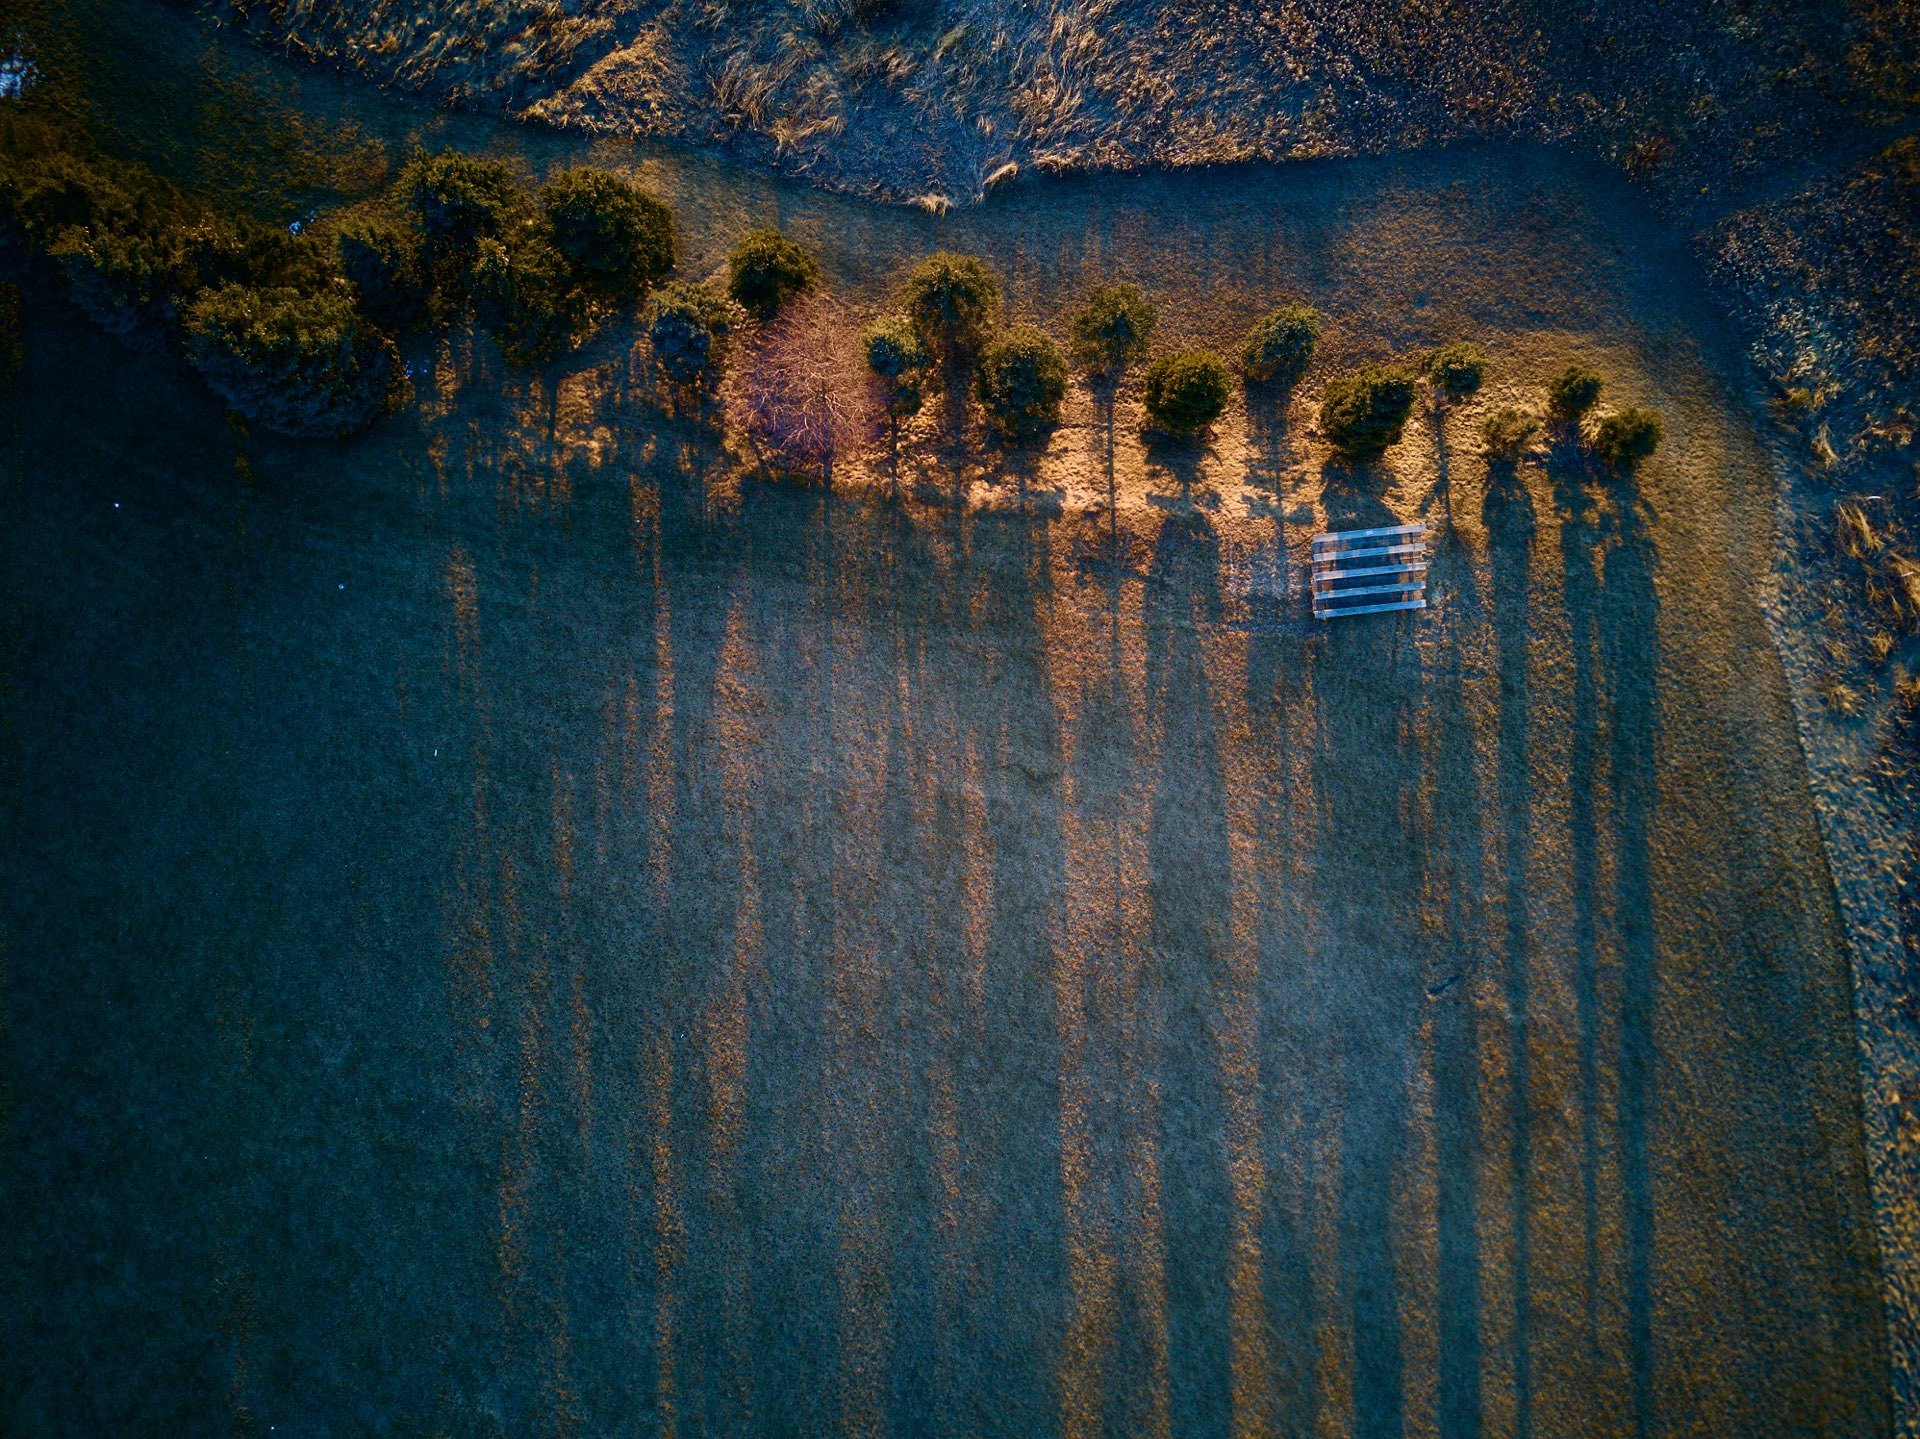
[[1326, 597], [1334, 556], [1341, 538], [1321, 614], [1412, 567]]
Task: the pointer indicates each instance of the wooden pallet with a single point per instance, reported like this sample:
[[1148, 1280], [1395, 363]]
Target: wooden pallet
[[1367, 572]]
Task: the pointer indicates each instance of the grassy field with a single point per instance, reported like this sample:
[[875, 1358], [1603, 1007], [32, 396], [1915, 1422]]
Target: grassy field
[[521, 928]]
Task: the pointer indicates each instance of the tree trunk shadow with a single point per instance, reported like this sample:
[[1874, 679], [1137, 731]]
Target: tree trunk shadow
[[1508, 511]]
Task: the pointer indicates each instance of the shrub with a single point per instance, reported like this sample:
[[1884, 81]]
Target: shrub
[[1573, 393], [1187, 392], [125, 275], [766, 269], [1364, 410], [1280, 345], [804, 398], [1624, 439], [896, 353], [57, 191], [952, 301], [1455, 370], [300, 363], [523, 296], [1021, 380], [615, 237], [380, 255], [1111, 331], [688, 327], [458, 198], [1505, 434]]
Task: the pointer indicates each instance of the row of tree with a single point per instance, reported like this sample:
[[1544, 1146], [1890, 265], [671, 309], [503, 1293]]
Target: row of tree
[[296, 329], [950, 305]]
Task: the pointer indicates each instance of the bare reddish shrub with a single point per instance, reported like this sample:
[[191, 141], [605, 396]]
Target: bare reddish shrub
[[802, 395]]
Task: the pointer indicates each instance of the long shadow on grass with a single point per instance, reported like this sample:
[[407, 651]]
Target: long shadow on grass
[[1631, 660], [1455, 881], [1009, 1085], [1368, 779], [703, 867], [1277, 695], [1190, 903], [1580, 539], [1511, 524]]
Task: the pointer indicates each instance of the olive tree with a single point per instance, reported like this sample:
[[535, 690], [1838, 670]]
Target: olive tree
[[766, 269], [615, 238]]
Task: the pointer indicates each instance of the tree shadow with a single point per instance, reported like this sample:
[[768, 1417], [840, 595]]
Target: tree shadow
[[1367, 776], [1009, 1080], [1176, 463], [1350, 495], [1630, 661], [1190, 903], [1580, 540], [1454, 879], [1509, 514]]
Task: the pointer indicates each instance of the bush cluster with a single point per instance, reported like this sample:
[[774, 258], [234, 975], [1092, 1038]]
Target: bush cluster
[[295, 331]]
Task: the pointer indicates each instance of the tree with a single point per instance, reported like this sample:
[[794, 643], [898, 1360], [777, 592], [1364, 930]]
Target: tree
[[1365, 410], [524, 297], [1506, 433], [1021, 380], [688, 327], [458, 199], [801, 397], [127, 274], [898, 357], [1185, 393], [1454, 371], [300, 363], [1111, 332], [1572, 393], [616, 239], [952, 301], [766, 269], [1624, 439], [1280, 345], [380, 255]]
